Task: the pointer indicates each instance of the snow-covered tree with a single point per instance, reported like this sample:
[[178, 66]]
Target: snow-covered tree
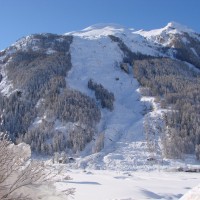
[[17, 171]]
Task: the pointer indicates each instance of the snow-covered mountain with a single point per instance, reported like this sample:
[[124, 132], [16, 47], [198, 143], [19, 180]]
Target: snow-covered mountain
[[45, 77], [165, 35], [182, 41]]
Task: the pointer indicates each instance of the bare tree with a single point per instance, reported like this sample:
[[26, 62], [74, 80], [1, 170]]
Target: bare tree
[[18, 172]]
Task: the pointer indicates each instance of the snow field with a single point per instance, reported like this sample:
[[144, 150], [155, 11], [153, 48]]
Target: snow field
[[113, 185], [100, 60]]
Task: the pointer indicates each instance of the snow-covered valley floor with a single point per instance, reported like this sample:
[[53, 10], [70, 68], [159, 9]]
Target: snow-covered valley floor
[[113, 185]]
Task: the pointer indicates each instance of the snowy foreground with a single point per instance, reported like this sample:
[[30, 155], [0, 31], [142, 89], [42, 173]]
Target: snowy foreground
[[193, 194], [110, 185]]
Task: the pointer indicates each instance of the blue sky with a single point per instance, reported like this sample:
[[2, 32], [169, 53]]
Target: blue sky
[[19, 18]]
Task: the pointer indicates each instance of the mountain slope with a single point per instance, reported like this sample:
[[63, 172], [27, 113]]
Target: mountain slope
[[183, 42], [47, 80]]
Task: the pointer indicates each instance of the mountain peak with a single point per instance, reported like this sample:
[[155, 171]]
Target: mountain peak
[[178, 27], [101, 30], [105, 25], [172, 28]]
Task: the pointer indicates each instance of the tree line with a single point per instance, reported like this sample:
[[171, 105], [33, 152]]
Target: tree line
[[40, 89], [177, 87]]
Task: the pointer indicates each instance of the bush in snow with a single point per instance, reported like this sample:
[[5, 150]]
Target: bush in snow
[[17, 173]]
